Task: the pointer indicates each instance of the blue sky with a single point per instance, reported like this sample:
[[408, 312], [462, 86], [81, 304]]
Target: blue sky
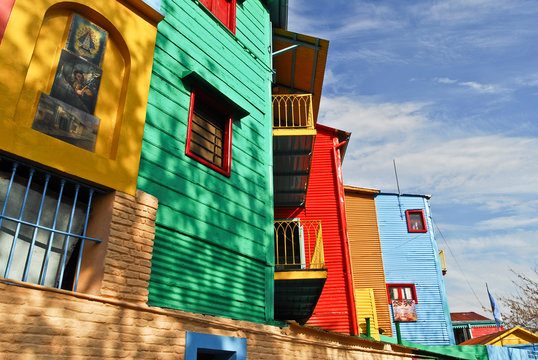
[[450, 90]]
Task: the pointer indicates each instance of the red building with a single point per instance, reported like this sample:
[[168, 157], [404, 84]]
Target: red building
[[324, 202], [470, 325]]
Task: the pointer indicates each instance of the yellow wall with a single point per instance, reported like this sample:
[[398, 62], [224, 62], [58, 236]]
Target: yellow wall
[[29, 54]]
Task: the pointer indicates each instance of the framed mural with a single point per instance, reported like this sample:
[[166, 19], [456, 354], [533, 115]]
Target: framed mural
[[67, 113], [404, 310], [65, 122], [76, 82], [87, 40]]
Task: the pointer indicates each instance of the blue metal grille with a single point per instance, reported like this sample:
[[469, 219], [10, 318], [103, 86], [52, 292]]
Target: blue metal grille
[[43, 224]]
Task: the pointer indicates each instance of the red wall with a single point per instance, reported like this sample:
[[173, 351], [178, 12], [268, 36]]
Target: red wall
[[332, 311], [5, 11], [479, 331]]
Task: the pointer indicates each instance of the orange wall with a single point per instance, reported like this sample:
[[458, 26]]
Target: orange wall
[[365, 249]]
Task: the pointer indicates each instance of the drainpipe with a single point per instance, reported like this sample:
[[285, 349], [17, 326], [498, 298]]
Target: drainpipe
[[343, 228]]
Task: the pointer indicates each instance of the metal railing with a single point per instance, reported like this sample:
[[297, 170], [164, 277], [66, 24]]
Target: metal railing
[[293, 111], [442, 260], [299, 245], [43, 224]]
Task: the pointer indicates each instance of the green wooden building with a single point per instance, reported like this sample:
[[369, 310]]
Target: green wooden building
[[207, 157]]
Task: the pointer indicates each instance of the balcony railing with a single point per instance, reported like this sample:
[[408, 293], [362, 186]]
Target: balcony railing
[[293, 111], [298, 245]]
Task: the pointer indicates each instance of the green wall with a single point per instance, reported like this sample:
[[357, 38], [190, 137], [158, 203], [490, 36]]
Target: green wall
[[213, 251]]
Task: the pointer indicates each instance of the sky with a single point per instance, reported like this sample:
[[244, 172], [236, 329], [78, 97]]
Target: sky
[[449, 90]]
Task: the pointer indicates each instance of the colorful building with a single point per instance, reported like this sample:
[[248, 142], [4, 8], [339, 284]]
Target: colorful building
[[206, 157], [373, 314], [413, 270], [324, 202], [469, 325], [136, 204]]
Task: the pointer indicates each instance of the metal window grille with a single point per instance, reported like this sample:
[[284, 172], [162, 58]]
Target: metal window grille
[[43, 224]]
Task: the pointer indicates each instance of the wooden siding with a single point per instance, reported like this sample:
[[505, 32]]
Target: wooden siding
[[365, 251], [413, 258], [332, 310], [213, 251]]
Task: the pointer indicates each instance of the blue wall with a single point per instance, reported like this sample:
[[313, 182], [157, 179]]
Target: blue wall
[[414, 258]]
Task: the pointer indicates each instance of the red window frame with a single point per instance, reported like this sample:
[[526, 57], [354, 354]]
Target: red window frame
[[400, 288], [201, 98], [224, 10], [410, 224]]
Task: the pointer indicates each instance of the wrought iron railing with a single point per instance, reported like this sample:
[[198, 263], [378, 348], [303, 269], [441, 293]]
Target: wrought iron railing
[[298, 245], [43, 223], [293, 111]]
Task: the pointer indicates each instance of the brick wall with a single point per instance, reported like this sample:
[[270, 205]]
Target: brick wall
[[44, 323], [108, 317]]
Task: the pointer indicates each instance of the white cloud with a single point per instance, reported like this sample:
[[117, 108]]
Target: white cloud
[[473, 85], [492, 175], [445, 80]]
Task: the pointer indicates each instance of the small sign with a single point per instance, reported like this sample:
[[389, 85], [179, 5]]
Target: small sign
[[404, 310]]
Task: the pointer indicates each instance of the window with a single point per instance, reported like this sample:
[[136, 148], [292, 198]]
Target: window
[[209, 133], [224, 10], [401, 292], [43, 223], [200, 346], [416, 221]]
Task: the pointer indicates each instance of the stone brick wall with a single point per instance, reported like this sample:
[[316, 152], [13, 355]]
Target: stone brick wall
[[45, 323], [130, 243]]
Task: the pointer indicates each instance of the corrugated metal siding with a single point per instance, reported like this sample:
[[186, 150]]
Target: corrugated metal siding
[[213, 232], [503, 353], [366, 308], [332, 310], [413, 258], [365, 251]]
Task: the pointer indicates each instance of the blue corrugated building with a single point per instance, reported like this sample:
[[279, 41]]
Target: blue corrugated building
[[412, 267]]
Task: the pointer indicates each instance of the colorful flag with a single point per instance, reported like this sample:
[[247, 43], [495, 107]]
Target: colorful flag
[[495, 310]]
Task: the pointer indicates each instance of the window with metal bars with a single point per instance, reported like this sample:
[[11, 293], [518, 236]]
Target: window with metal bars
[[209, 133], [43, 223]]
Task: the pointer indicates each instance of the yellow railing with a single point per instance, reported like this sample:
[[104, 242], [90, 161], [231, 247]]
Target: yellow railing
[[443, 261], [299, 244], [293, 111]]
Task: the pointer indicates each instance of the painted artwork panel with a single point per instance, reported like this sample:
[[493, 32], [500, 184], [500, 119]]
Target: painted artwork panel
[[67, 123], [87, 40], [404, 310], [76, 82]]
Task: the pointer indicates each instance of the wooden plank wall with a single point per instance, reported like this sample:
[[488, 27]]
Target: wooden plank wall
[[213, 251]]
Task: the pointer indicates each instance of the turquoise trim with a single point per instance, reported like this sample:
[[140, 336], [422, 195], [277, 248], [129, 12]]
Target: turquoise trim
[[230, 348]]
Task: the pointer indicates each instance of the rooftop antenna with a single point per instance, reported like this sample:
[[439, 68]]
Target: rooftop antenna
[[396, 174]]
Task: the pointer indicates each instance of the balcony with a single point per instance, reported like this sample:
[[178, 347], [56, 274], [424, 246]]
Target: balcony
[[293, 115], [300, 272], [293, 141]]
